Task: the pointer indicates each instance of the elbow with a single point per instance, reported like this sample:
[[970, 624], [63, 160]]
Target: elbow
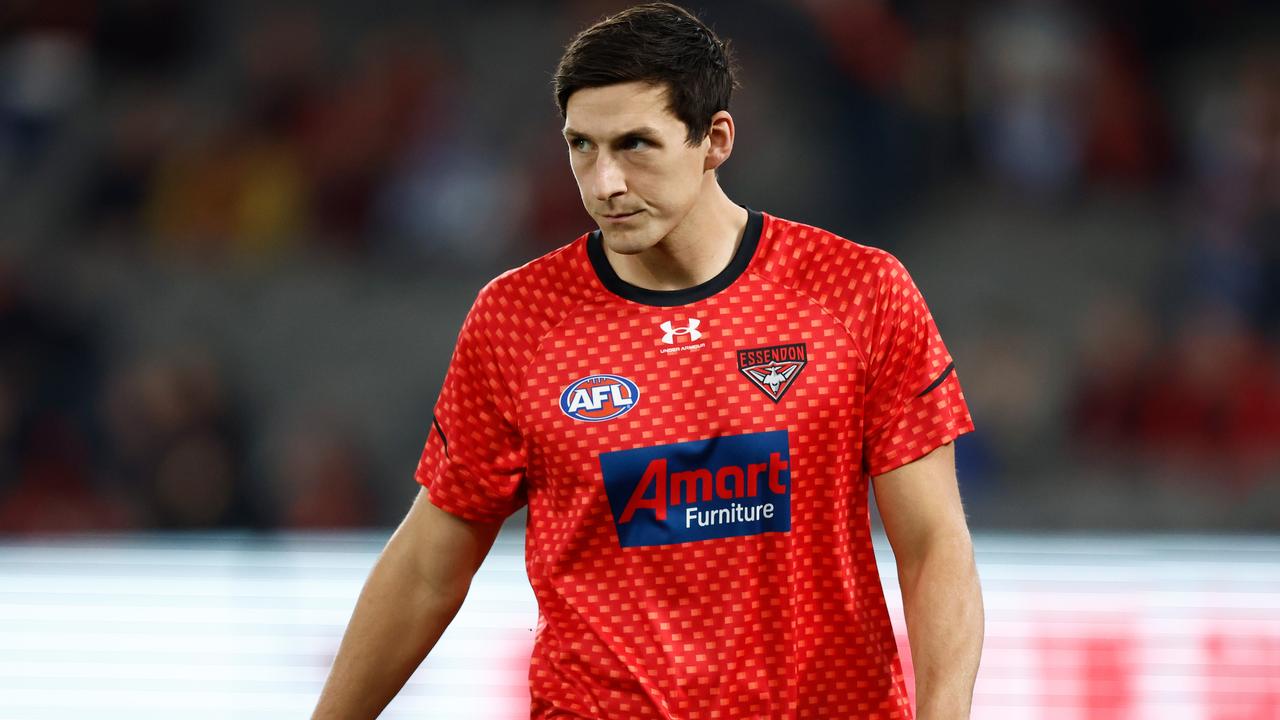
[[435, 587]]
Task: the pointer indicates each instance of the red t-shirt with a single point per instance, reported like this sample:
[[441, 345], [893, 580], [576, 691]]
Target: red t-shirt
[[695, 464]]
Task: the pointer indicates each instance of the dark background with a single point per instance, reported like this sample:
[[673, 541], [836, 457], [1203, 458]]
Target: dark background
[[237, 239]]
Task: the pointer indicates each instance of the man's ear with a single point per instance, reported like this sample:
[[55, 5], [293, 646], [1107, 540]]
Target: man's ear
[[721, 136]]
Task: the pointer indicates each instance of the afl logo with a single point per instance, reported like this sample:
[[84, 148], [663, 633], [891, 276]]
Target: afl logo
[[597, 398]]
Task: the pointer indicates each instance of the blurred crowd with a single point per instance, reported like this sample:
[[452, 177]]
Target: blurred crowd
[[272, 137], [226, 139], [161, 441]]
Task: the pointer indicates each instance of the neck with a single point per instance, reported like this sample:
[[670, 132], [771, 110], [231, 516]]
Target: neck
[[693, 252]]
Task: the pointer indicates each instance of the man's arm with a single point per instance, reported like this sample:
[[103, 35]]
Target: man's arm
[[920, 506], [412, 594]]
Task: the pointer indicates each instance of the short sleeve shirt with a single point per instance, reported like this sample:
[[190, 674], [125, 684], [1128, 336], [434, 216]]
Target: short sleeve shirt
[[696, 468]]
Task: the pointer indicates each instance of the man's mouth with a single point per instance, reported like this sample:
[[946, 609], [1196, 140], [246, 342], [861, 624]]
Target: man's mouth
[[621, 216]]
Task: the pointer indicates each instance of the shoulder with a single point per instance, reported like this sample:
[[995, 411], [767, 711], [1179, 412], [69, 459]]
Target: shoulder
[[835, 271], [519, 306], [560, 269], [554, 283]]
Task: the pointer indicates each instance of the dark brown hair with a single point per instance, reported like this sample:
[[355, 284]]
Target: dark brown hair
[[657, 43]]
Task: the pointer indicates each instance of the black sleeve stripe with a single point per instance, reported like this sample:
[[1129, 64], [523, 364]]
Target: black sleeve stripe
[[945, 374], [443, 440]]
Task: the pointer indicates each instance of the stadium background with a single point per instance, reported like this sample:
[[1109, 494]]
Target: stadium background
[[237, 241]]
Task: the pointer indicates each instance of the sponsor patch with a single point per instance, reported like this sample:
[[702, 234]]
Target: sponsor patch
[[727, 486], [773, 369], [597, 398]]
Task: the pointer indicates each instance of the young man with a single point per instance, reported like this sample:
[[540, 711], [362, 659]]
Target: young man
[[692, 401]]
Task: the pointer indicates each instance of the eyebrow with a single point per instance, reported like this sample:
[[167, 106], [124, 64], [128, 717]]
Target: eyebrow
[[644, 131]]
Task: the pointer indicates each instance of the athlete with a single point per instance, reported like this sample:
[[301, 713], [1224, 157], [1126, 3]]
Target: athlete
[[692, 400]]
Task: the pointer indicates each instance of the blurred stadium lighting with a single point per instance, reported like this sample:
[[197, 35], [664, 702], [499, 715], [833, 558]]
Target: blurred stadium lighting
[[1177, 627]]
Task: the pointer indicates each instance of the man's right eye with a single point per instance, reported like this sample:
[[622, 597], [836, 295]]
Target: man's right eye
[[580, 144]]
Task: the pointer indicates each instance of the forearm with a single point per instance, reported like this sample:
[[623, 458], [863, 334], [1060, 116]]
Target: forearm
[[397, 620], [943, 604]]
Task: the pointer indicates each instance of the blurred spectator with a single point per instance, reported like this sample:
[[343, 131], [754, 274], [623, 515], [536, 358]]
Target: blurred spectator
[[43, 73], [323, 478], [1124, 138], [555, 212], [1030, 70], [48, 378], [461, 202], [53, 491], [375, 112], [868, 39], [1235, 146], [179, 442], [1117, 351], [1007, 384], [235, 193], [135, 140], [1211, 407]]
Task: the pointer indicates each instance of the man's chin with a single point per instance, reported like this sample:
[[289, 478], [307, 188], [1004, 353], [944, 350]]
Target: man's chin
[[625, 242]]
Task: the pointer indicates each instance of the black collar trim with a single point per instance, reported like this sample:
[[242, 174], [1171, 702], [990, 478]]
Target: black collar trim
[[672, 298]]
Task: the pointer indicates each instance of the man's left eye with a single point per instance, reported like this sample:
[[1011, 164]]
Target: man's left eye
[[635, 143]]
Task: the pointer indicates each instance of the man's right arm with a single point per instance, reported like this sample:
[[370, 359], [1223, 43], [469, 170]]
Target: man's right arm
[[413, 592]]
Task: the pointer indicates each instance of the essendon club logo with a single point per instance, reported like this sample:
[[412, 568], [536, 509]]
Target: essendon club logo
[[773, 369]]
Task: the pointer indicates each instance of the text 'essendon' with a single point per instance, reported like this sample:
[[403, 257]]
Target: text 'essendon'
[[794, 352]]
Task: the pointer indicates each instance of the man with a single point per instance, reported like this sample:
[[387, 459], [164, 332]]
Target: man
[[691, 400]]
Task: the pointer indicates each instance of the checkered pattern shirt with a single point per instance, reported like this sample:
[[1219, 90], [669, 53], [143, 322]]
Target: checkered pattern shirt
[[696, 468]]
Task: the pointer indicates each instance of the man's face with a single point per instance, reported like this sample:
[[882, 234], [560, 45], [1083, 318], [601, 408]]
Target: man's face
[[637, 175]]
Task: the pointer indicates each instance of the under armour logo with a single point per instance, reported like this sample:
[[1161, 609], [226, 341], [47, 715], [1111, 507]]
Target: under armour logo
[[672, 331]]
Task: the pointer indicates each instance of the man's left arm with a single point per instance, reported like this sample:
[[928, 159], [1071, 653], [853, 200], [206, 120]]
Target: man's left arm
[[920, 506]]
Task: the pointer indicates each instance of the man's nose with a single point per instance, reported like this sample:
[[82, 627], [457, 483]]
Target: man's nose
[[609, 180]]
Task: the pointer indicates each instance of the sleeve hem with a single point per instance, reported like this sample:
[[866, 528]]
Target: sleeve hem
[[465, 513], [921, 450]]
